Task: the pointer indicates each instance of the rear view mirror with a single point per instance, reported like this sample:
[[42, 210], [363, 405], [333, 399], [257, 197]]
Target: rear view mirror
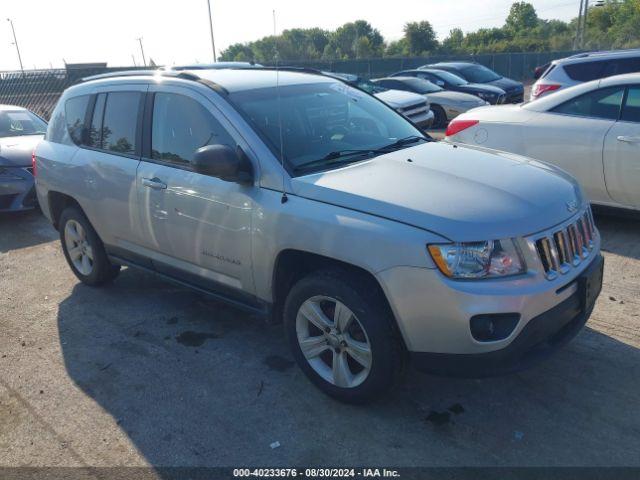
[[223, 162]]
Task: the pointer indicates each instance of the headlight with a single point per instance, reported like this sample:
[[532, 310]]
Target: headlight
[[473, 260], [486, 96]]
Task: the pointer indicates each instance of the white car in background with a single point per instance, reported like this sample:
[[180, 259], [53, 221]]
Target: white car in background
[[584, 67], [591, 130]]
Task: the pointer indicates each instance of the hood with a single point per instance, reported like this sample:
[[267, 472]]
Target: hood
[[482, 87], [461, 99], [461, 193], [508, 85], [16, 151], [400, 98]]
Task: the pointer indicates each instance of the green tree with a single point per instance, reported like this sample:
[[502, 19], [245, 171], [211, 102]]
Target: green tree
[[454, 42], [420, 37], [522, 18]]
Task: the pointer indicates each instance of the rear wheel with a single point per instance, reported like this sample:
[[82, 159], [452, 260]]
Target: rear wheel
[[439, 116], [84, 250], [341, 336]]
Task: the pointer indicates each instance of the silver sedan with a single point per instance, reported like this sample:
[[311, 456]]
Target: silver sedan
[[446, 105]]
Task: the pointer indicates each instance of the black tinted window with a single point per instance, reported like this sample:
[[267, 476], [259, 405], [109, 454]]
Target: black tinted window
[[624, 65], [120, 122], [95, 130], [75, 111], [586, 71], [631, 109], [181, 126], [603, 103]]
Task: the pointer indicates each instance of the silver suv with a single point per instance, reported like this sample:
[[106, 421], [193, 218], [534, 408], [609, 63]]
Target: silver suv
[[298, 197], [584, 67]]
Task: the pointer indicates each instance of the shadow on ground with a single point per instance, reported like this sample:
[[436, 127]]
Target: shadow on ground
[[195, 383], [24, 229]]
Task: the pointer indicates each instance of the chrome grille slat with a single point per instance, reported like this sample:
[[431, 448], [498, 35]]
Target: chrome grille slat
[[566, 248]]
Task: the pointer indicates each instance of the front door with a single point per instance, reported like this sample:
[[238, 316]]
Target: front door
[[196, 227], [572, 135], [622, 153]]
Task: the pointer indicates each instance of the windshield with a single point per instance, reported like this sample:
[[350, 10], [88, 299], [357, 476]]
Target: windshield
[[421, 86], [14, 123], [480, 74], [450, 78], [321, 122]]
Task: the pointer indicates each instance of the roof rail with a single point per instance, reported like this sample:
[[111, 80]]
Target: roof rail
[[143, 73], [604, 52]]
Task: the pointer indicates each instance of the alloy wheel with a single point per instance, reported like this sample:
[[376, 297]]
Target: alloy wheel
[[78, 247], [333, 341]]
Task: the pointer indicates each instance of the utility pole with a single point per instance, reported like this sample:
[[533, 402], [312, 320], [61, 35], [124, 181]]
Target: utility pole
[[15, 42], [584, 22], [578, 42], [144, 60], [274, 23], [213, 45]]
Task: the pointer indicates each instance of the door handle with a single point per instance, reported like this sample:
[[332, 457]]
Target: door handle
[[623, 138], [154, 183]]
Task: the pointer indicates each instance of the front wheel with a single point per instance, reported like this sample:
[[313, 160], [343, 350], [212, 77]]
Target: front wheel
[[84, 250], [439, 116], [341, 336]]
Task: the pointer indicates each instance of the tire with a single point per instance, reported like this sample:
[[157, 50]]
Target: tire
[[440, 117], [367, 322], [90, 263]]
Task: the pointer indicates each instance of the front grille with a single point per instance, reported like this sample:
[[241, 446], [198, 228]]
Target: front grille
[[414, 110], [501, 99], [566, 248]]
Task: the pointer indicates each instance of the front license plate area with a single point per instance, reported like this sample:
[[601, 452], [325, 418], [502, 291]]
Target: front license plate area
[[590, 283]]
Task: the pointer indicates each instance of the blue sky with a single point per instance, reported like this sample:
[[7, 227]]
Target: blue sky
[[175, 32]]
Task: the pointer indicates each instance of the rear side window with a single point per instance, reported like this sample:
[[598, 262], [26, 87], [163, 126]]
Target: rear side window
[[75, 111], [586, 71], [604, 103], [181, 126], [631, 109]]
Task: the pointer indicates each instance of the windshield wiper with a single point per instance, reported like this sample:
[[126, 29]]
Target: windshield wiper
[[339, 156], [333, 158]]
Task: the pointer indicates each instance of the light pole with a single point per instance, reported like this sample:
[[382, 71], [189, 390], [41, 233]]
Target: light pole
[[15, 42], [144, 60], [213, 45]]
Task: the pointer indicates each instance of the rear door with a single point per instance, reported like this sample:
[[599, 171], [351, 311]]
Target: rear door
[[572, 135], [196, 227], [622, 153], [107, 162]]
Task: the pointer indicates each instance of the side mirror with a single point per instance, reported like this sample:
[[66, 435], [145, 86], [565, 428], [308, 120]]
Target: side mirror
[[223, 162]]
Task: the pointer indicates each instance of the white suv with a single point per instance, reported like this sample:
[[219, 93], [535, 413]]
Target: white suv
[[585, 67]]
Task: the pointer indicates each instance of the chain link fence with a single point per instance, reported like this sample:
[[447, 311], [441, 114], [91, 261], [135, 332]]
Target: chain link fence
[[39, 90], [519, 66]]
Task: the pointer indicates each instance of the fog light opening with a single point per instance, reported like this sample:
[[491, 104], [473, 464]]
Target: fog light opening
[[493, 327]]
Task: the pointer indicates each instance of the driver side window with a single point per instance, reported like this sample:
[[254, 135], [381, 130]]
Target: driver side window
[[181, 126]]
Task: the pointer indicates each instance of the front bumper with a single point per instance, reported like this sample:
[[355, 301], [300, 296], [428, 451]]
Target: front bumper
[[17, 190], [541, 337]]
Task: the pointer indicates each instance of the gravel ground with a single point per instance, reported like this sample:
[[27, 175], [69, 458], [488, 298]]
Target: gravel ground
[[145, 373]]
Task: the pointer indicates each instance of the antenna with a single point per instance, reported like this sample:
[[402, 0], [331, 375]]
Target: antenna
[[284, 198]]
